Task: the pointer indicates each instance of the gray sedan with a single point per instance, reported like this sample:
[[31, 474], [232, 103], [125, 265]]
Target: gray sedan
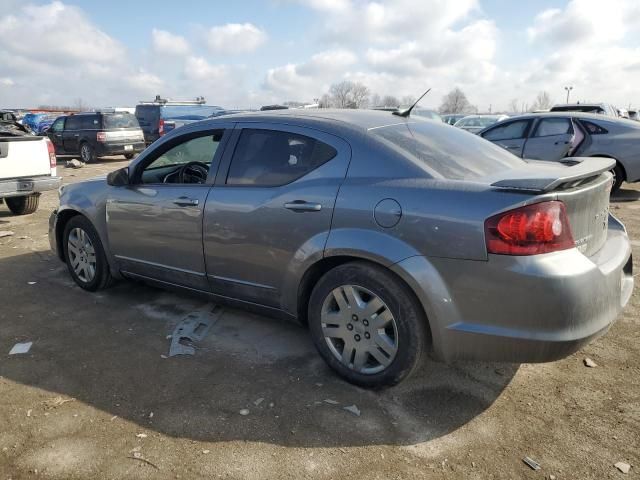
[[556, 136], [388, 236]]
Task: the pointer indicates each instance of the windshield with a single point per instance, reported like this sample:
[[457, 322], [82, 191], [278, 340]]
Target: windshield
[[451, 153], [188, 112], [120, 120]]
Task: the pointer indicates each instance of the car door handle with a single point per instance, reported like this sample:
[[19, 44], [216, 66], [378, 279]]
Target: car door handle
[[186, 202], [302, 206], [562, 143]]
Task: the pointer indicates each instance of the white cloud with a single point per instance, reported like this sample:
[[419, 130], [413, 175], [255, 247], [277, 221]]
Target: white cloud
[[7, 82], [235, 38], [167, 43]]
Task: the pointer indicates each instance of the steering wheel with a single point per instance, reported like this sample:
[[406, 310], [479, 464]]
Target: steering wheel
[[193, 172]]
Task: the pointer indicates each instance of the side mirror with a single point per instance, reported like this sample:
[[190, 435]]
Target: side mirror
[[119, 177]]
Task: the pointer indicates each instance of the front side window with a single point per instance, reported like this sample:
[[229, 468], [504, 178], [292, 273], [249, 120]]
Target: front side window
[[553, 126], [508, 131], [187, 162], [58, 125], [269, 158]]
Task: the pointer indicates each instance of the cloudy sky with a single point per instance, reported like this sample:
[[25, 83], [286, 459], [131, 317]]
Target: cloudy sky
[[251, 52]]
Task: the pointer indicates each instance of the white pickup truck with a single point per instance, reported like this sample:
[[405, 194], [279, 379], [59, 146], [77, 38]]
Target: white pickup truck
[[27, 167]]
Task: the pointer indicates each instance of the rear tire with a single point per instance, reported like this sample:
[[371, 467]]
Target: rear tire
[[87, 153], [618, 177], [375, 334], [84, 255], [23, 205], [129, 156]]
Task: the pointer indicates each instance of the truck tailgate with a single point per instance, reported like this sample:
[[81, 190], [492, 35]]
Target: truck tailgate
[[23, 156]]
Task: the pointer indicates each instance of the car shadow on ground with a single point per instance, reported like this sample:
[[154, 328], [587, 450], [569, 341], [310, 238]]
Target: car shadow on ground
[[106, 350], [623, 195]]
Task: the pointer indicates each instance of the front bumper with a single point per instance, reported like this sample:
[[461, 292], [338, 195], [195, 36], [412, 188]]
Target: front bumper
[[19, 187], [523, 309], [108, 148], [53, 241]]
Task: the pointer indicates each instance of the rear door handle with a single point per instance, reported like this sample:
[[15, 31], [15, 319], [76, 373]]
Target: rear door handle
[[302, 206], [186, 202]]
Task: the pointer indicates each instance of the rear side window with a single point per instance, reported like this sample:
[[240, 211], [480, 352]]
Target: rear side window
[[147, 114], [73, 123], [90, 122], [553, 126], [120, 120], [508, 131], [271, 158], [593, 129], [448, 152]]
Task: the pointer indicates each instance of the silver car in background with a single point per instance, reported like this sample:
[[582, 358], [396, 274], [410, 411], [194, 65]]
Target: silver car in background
[[476, 123], [389, 236], [556, 136]]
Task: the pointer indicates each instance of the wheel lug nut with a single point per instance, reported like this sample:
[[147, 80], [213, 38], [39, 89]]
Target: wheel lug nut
[[357, 337], [354, 318], [365, 323], [349, 327], [367, 336]]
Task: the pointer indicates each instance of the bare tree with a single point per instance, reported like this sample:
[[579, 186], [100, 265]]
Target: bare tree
[[456, 102], [375, 100], [325, 101], [390, 101], [408, 100], [348, 94], [514, 105], [542, 102]]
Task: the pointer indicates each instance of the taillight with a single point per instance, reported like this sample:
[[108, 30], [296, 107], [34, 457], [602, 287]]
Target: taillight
[[161, 127], [52, 154], [530, 230], [101, 136]]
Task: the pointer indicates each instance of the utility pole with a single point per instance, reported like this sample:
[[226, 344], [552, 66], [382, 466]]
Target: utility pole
[[568, 89]]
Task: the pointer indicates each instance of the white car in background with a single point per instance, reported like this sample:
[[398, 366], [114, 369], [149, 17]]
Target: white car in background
[[476, 123]]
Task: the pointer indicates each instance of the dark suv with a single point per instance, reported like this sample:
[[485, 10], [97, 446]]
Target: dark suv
[[97, 134], [159, 117]]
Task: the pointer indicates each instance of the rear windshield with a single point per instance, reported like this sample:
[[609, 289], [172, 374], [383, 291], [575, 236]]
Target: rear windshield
[[188, 112], [450, 153], [120, 120]]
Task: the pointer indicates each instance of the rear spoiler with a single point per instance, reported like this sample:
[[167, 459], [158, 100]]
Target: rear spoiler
[[549, 176]]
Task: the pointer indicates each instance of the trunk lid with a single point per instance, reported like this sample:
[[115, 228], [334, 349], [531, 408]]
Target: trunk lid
[[582, 184], [23, 156]]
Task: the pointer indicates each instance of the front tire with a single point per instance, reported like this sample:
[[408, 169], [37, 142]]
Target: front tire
[[84, 255], [129, 156], [618, 177], [23, 205], [367, 325]]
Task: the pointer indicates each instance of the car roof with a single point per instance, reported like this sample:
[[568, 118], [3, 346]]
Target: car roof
[[330, 119]]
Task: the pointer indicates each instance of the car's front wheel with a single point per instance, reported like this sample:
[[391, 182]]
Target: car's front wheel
[[84, 255], [618, 177], [367, 325], [129, 156]]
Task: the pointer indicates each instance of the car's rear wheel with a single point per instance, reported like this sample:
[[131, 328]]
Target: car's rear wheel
[[87, 153], [618, 177], [23, 205], [367, 325], [84, 255], [129, 156]]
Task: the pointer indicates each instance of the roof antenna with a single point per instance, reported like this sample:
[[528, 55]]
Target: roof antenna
[[407, 112]]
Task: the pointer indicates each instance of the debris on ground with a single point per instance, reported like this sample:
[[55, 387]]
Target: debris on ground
[[55, 402], [150, 414], [29, 412], [74, 164], [532, 463], [258, 401], [20, 348], [623, 467], [206, 451], [244, 412], [330, 402], [353, 409], [590, 363], [31, 283], [6, 233], [138, 456], [193, 328], [552, 477], [141, 435]]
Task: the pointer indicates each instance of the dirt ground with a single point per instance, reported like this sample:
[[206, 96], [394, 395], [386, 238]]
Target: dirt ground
[[96, 390]]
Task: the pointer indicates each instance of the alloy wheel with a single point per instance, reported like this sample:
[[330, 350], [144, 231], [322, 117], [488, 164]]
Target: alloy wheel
[[359, 329], [85, 153], [82, 254]]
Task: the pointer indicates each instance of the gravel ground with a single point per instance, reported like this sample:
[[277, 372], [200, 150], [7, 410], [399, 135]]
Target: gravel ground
[[96, 398]]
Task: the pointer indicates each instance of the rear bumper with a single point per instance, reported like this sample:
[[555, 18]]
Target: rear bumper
[[19, 187], [523, 309], [106, 149]]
